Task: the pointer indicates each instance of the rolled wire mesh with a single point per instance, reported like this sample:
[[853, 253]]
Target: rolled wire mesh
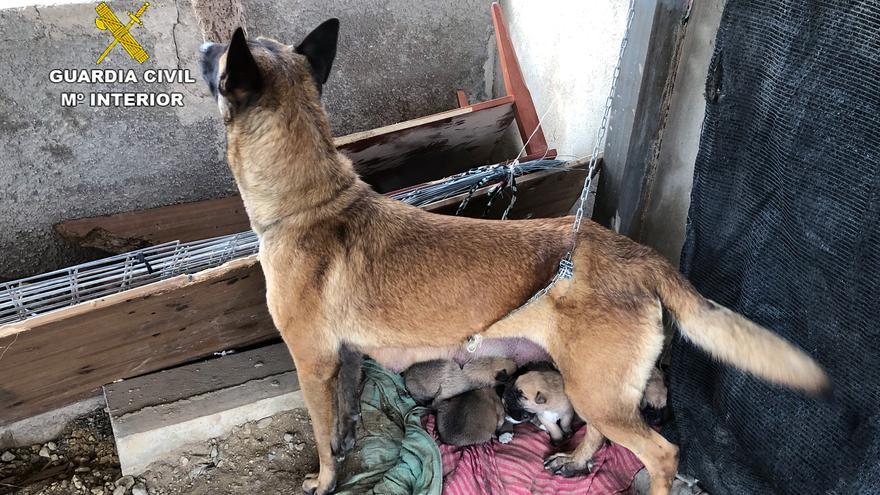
[[38, 294]]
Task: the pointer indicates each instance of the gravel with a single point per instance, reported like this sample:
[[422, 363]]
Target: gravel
[[82, 461], [272, 455]]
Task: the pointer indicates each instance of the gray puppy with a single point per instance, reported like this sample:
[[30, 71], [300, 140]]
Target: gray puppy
[[469, 409], [440, 379]]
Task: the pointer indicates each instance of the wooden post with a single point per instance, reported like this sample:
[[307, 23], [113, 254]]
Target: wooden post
[[524, 108], [462, 98]]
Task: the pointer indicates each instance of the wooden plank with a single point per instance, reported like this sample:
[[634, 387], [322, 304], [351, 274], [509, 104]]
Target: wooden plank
[[198, 378], [62, 356], [389, 158], [431, 151], [526, 117], [462, 98], [184, 222], [156, 416]]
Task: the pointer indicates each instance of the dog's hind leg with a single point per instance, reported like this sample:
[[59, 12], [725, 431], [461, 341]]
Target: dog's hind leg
[[348, 380], [658, 455], [606, 368], [317, 365]]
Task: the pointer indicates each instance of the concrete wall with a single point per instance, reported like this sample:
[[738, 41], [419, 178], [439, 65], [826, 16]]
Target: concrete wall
[[666, 211], [397, 60], [567, 50]]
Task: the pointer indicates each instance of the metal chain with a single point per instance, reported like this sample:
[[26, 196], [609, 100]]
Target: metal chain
[[566, 265], [600, 133]]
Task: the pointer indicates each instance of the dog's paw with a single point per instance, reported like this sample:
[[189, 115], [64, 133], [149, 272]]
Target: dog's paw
[[311, 486], [566, 466], [505, 437]]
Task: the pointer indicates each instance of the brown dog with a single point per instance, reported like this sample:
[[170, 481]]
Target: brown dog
[[347, 266]]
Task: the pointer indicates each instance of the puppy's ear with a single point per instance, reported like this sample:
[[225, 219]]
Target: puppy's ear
[[319, 48], [540, 399], [241, 76]]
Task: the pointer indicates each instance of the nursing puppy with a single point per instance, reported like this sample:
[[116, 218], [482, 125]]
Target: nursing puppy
[[347, 266], [443, 379], [470, 418], [538, 392]]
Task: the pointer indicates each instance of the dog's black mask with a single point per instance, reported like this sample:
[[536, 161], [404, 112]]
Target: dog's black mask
[[512, 401]]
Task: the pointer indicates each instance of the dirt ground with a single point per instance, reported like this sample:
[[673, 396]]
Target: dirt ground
[[82, 460], [272, 455]]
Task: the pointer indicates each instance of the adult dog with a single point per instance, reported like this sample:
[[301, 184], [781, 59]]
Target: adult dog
[[347, 268]]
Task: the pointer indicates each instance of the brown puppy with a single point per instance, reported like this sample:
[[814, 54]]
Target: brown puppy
[[345, 265], [443, 379], [539, 393], [470, 418]]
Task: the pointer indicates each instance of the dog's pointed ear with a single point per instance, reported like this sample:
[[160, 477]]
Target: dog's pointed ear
[[540, 399], [319, 48], [241, 70]]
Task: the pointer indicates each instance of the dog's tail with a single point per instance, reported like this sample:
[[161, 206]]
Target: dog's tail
[[734, 339]]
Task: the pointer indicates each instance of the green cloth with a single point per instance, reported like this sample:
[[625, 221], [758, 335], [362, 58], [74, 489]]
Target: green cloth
[[394, 454]]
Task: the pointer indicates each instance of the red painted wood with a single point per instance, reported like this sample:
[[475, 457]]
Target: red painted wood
[[524, 108]]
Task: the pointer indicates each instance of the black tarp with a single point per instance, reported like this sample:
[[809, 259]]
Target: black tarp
[[783, 228]]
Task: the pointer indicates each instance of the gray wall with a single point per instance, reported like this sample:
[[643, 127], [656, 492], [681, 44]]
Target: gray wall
[[666, 211], [568, 67], [397, 60]]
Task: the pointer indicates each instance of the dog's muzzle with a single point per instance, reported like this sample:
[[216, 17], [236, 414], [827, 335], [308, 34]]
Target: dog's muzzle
[[211, 53]]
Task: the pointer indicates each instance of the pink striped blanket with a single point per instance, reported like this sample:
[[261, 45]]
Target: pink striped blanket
[[517, 468]]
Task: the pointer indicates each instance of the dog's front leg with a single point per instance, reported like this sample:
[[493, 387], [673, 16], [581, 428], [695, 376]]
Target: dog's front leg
[[316, 368], [348, 397]]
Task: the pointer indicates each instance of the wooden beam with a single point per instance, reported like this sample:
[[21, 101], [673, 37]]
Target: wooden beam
[[462, 98], [57, 358], [524, 108], [184, 222], [388, 158], [430, 148]]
